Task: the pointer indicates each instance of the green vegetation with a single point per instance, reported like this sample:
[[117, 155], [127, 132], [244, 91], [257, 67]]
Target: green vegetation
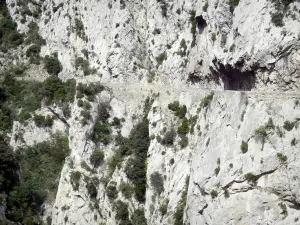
[[160, 58], [169, 137], [244, 147], [179, 111], [52, 65], [250, 177], [183, 129], [213, 37], [223, 40], [281, 7], [75, 179], [126, 189], [9, 36], [97, 158], [111, 192], [182, 50], [28, 96], [282, 158], [84, 65], [79, 29], [122, 213], [179, 212], [33, 52], [138, 217], [277, 19], [164, 207], [193, 27], [38, 183], [289, 125], [42, 121], [184, 141], [214, 194], [205, 7], [89, 91], [138, 143], [101, 133], [207, 100], [157, 182], [261, 133]]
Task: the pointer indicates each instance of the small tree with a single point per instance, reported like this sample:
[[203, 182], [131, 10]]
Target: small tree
[[157, 182], [97, 158], [52, 65]]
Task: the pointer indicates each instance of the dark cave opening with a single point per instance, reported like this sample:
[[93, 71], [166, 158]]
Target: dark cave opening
[[201, 23], [234, 78]]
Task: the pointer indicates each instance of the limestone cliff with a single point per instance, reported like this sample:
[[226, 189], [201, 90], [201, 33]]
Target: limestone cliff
[[209, 88]]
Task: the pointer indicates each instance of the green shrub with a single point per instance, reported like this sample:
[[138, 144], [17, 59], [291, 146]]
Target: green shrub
[[116, 122], [282, 157], [193, 26], [157, 182], [184, 142], [126, 189], [84, 65], [244, 146], [41, 121], [293, 142], [23, 116], [214, 194], [183, 129], [121, 210], [205, 7], [33, 53], [160, 58], [89, 90], [135, 169], [101, 133], [179, 211], [207, 100], [277, 19], [75, 179], [289, 125], [169, 137], [103, 112], [213, 37], [97, 158], [250, 177], [180, 111], [9, 37], [38, 182], [182, 49], [138, 217], [261, 133], [156, 31], [92, 190], [164, 207], [114, 162], [217, 170], [111, 192], [52, 65]]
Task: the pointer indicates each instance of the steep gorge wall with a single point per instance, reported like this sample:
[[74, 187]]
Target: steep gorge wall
[[216, 44], [183, 48]]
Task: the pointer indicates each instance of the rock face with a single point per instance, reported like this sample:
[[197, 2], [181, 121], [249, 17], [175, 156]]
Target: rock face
[[212, 44], [237, 160]]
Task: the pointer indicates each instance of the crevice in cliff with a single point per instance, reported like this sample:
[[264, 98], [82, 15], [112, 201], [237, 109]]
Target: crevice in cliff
[[233, 76], [58, 116], [203, 208]]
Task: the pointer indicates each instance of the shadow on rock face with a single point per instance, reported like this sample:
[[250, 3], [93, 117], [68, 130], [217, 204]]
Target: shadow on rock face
[[233, 77]]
